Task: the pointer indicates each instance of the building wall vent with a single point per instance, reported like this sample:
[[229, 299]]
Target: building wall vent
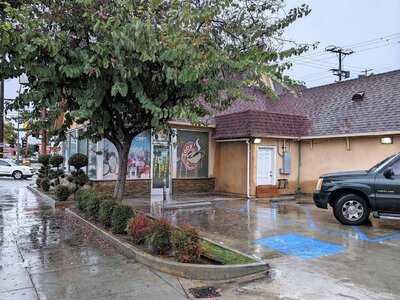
[[359, 96]]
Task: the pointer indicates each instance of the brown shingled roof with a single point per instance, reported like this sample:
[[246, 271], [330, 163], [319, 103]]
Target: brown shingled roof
[[319, 111], [260, 124]]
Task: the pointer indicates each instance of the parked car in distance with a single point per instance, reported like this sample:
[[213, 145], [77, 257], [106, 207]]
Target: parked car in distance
[[10, 169], [353, 195]]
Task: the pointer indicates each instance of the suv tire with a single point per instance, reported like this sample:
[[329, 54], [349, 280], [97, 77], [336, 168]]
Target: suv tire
[[351, 209], [17, 175]]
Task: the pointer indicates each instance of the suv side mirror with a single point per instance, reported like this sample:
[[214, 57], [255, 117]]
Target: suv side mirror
[[388, 173]]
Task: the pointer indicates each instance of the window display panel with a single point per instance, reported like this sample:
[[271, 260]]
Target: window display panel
[[192, 154], [92, 167], [138, 159]]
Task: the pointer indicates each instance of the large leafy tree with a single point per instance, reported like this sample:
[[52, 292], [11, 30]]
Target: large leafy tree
[[10, 133], [124, 66]]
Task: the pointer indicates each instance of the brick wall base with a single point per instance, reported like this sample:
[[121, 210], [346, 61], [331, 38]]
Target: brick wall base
[[142, 187], [193, 185], [133, 188]]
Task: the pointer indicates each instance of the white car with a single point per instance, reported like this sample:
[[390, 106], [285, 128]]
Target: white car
[[10, 169]]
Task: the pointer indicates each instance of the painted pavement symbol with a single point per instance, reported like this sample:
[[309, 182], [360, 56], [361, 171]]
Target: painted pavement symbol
[[300, 246]]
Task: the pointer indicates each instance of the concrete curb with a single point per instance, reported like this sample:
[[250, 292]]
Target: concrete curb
[[50, 200], [189, 271]]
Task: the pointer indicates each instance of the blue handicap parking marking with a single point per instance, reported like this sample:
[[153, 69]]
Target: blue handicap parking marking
[[300, 246]]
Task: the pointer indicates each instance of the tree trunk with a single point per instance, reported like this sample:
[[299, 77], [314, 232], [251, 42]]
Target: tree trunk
[[123, 153]]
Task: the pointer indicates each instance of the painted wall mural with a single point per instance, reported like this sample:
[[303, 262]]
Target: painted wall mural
[[192, 154], [138, 160]]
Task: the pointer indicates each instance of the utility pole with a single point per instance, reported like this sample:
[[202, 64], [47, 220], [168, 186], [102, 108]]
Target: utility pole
[[1, 118], [342, 53], [365, 72]]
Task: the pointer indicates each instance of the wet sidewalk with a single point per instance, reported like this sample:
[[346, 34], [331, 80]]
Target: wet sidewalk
[[313, 256], [40, 259]]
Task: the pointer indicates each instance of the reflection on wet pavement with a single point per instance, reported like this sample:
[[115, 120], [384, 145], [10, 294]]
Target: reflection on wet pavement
[[41, 259], [365, 258]]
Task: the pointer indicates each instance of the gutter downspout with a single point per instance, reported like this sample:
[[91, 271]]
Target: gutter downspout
[[298, 189]]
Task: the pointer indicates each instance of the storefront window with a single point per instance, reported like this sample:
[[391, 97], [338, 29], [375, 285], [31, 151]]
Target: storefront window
[[192, 154], [138, 159], [73, 140], [110, 161], [92, 168], [82, 144]]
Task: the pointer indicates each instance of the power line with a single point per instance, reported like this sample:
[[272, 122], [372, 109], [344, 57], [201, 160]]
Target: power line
[[383, 39]]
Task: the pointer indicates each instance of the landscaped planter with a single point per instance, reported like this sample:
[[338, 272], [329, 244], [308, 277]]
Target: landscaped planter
[[50, 200], [185, 270]]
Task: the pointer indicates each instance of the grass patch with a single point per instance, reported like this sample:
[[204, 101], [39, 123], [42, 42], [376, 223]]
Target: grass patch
[[223, 255]]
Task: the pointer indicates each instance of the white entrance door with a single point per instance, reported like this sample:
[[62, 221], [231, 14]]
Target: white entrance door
[[265, 166]]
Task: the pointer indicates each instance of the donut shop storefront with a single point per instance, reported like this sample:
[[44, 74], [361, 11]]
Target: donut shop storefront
[[179, 160]]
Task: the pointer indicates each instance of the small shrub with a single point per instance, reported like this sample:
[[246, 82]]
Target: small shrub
[[139, 228], [39, 182], [159, 238], [56, 160], [78, 160], [186, 244], [44, 159], [45, 184], [93, 206], [82, 197], [62, 192], [119, 219], [105, 212]]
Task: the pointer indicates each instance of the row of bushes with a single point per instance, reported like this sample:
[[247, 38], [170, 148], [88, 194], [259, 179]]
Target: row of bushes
[[51, 175], [158, 235]]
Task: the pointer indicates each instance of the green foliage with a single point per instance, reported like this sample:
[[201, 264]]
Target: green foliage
[[186, 244], [93, 206], [79, 178], [44, 159], [223, 255], [45, 184], [78, 161], [56, 160], [105, 212], [139, 228], [82, 197], [119, 219], [39, 182], [122, 67], [62, 192], [10, 133], [159, 238]]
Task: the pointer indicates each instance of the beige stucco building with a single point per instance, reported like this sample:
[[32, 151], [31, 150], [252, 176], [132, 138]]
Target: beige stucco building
[[263, 147]]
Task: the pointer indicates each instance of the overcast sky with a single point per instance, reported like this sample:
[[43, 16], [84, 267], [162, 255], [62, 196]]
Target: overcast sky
[[370, 27]]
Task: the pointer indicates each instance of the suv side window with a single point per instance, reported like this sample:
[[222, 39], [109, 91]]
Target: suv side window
[[4, 164], [396, 168]]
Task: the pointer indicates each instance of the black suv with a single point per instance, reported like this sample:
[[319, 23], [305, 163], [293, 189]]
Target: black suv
[[353, 195]]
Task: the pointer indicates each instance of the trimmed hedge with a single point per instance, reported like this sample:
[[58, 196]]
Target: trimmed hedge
[[120, 216], [45, 184], [139, 227], [62, 192], [82, 197], [159, 239], [186, 244], [56, 160], [93, 206], [105, 212]]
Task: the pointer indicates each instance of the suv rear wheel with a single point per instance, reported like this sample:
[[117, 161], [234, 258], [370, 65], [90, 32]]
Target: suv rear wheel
[[17, 175], [351, 209]]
